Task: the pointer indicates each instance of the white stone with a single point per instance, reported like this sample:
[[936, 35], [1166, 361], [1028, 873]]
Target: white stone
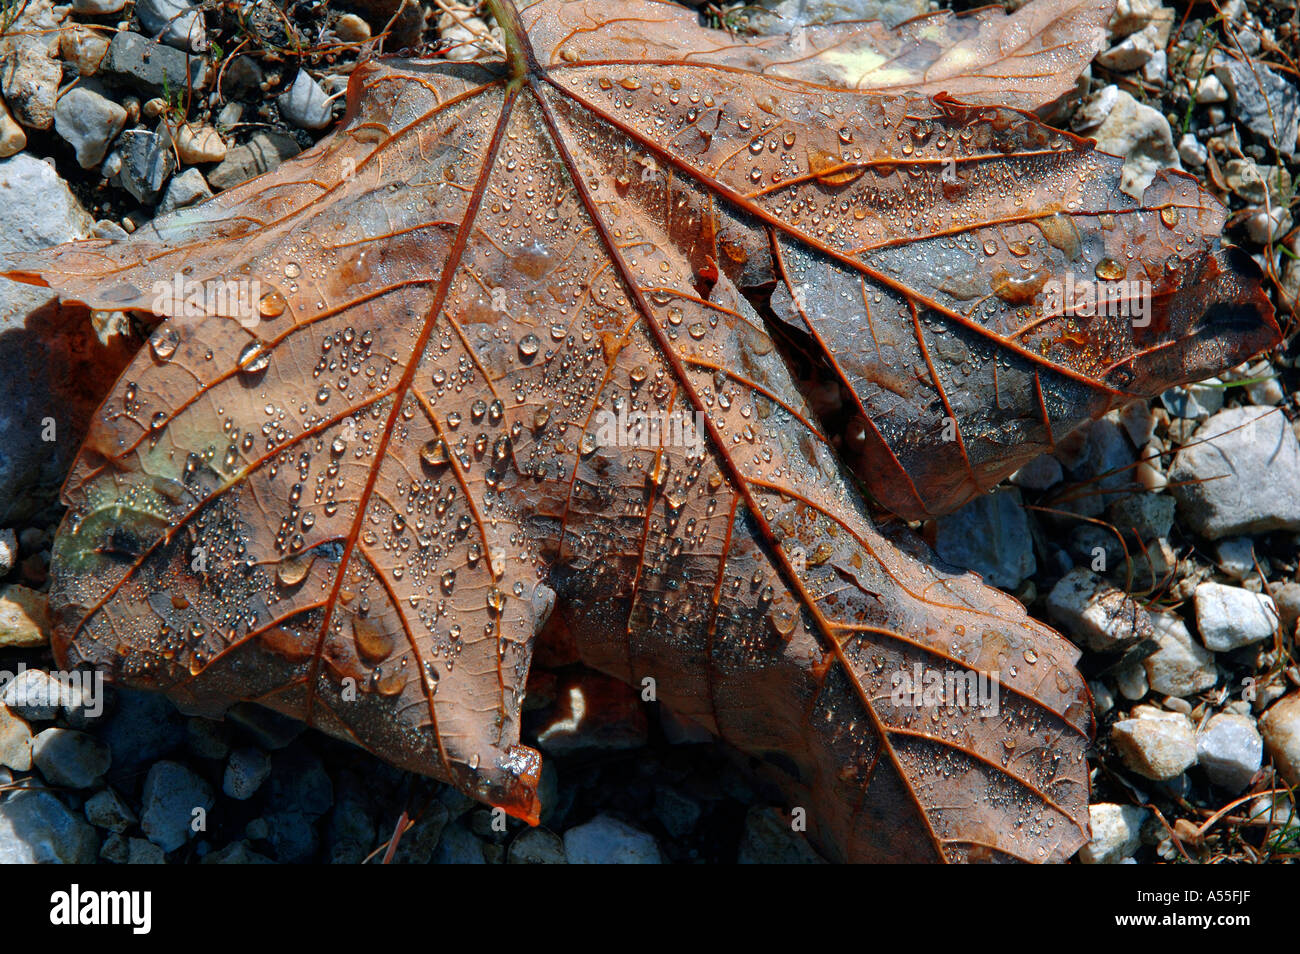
[[1268, 225], [1132, 53], [305, 103], [1097, 613], [1240, 474], [1229, 617], [1230, 750], [1180, 666], [1210, 90], [1156, 744], [88, 122], [176, 22], [1191, 151], [1142, 137], [1116, 833]]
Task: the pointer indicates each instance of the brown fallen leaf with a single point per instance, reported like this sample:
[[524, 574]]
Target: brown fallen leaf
[[505, 345]]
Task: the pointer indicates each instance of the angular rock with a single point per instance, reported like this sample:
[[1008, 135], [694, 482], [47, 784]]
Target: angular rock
[[1042, 472], [142, 852], [1103, 617], [198, 143], [147, 162], [1287, 598], [108, 810], [145, 726], [458, 846], [83, 49], [171, 794], [262, 153], [605, 840], [1141, 135], [245, 773], [12, 138], [70, 759], [419, 844], [1229, 617], [37, 828], [1156, 744], [1116, 833], [32, 694], [678, 813], [30, 70], [174, 22], [24, 617], [151, 67], [1180, 666], [236, 853], [1133, 52], [184, 190], [1145, 516], [991, 536], [1241, 474], [305, 104], [1194, 401], [88, 122], [1236, 556], [1264, 101], [1191, 151], [1230, 750]]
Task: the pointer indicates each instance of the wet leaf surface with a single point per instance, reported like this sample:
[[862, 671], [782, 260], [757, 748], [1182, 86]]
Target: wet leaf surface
[[516, 339]]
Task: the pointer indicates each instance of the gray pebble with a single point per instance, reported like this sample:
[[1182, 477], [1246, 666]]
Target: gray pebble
[[69, 758], [88, 122], [108, 810], [171, 794], [607, 840], [246, 770], [37, 828]]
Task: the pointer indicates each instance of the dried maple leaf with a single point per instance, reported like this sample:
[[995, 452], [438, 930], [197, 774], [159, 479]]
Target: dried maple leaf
[[359, 503]]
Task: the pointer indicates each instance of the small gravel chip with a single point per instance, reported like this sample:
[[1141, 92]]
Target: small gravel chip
[[108, 810], [245, 773]]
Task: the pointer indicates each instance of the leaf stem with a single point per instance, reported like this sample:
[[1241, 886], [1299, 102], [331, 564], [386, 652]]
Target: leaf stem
[[519, 52]]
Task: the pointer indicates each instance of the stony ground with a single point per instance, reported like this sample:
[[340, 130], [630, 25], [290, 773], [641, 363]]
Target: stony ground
[[1179, 584]]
